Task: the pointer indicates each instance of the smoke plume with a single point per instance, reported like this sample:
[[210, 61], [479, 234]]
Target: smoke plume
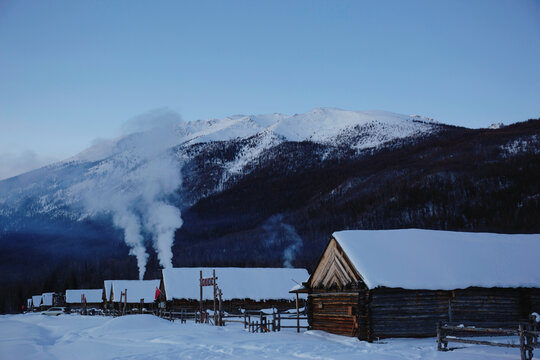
[[279, 234], [136, 182]]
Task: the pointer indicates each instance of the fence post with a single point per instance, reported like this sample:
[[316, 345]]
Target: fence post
[[221, 323], [279, 321], [522, 343], [297, 315], [215, 298], [439, 336], [245, 320]]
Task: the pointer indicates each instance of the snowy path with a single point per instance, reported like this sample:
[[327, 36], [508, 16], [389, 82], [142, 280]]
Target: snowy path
[[34, 336]]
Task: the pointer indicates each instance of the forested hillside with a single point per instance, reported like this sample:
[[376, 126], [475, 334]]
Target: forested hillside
[[285, 204]]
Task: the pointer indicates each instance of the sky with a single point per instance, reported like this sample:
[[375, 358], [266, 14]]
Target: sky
[[72, 72]]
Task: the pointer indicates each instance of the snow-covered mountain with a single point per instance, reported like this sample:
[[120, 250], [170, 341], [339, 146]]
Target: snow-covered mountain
[[320, 125], [263, 190], [136, 164]]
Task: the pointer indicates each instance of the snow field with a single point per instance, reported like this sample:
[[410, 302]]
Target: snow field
[[74, 337]]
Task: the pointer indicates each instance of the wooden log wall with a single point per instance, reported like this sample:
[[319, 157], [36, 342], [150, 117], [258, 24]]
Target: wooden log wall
[[406, 313], [535, 300], [342, 313], [394, 312], [78, 306], [495, 308]]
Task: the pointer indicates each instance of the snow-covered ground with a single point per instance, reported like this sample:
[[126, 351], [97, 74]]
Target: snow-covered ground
[[35, 336]]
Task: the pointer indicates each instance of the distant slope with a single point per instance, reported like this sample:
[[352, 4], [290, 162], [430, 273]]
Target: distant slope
[[60, 190], [262, 190]]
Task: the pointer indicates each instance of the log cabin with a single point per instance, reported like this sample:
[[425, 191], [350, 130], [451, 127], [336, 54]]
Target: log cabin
[[93, 297], [137, 291], [242, 288], [36, 302], [400, 283], [47, 300]]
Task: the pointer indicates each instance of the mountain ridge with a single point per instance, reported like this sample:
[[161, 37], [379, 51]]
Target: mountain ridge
[[286, 199]]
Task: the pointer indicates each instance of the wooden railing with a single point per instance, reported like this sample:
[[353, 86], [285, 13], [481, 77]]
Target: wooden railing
[[527, 332], [263, 322]]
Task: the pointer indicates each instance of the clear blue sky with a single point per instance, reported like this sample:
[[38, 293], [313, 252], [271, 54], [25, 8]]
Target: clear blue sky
[[73, 71]]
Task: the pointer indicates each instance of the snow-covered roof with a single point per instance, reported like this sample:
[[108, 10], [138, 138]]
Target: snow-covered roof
[[442, 260], [136, 290], [47, 299], [235, 283], [36, 300], [92, 296]]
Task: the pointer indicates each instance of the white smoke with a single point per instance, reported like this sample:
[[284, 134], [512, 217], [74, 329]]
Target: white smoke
[[135, 184], [132, 235], [162, 220], [279, 234]]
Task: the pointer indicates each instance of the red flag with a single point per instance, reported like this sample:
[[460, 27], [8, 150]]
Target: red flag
[[157, 293]]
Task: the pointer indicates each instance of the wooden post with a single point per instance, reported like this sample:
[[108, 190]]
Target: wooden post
[[83, 300], [297, 315], [201, 305], [439, 336], [220, 309], [141, 304], [125, 301], [215, 297], [522, 343], [245, 320], [279, 321]]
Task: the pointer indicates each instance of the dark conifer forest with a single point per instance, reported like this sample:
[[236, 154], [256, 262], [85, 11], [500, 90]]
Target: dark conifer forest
[[293, 197]]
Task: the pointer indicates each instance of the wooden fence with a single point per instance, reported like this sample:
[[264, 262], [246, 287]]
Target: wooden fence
[[253, 321], [263, 322], [527, 332]]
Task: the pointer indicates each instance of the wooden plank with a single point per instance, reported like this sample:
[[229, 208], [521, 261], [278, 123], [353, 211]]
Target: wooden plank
[[478, 342]]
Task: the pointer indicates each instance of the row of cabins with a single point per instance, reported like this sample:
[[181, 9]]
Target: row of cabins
[[44, 301], [371, 284], [178, 288]]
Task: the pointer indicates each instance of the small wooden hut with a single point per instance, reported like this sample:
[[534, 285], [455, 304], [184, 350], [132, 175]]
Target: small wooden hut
[[36, 302], [47, 300], [242, 288], [138, 291], [79, 299], [400, 283]]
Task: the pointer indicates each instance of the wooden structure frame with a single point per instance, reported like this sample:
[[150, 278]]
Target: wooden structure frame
[[229, 305], [340, 302]]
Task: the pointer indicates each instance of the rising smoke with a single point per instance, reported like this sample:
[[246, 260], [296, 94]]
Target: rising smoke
[[136, 183], [277, 233]]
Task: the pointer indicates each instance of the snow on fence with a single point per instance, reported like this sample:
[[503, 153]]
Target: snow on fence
[[527, 332], [262, 323], [253, 321]]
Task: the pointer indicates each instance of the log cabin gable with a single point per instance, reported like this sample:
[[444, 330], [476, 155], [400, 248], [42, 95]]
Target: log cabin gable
[[334, 270], [163, 294]]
